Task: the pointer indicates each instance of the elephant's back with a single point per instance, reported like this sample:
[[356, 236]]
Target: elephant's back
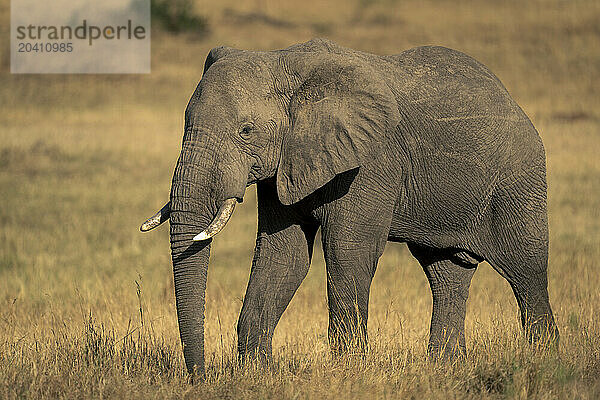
[[462, 110], [441, 63], [449, 85]]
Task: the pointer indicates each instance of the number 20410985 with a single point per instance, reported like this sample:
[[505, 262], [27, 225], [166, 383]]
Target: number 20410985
[[46, 47]]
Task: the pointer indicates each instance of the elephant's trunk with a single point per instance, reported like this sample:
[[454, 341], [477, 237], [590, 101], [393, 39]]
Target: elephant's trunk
[[202, 200], [192, 208], [190, 268]]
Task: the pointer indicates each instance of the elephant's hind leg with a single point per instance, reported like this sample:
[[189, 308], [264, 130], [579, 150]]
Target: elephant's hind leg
[[449, 278], [525, 271], [517, 247]]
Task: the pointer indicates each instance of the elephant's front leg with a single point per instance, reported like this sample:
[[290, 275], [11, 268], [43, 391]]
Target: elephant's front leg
[[281, 261], [350, 270], [354, 232]]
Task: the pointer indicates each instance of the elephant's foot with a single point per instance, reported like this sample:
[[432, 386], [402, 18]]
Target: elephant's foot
[[448, 346], [542, 331], [258, 356], [348, 342]]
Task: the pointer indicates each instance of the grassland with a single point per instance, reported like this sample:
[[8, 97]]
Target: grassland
[[86, 301]]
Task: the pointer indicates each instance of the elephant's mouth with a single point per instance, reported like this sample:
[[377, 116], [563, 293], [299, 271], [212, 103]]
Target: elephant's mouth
[[217, 224]]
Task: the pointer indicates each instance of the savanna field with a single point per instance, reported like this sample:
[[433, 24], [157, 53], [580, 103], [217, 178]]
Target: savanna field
[[87, 308]]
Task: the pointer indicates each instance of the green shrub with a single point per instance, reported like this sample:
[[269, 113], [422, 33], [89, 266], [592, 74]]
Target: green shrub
[[178, 16]]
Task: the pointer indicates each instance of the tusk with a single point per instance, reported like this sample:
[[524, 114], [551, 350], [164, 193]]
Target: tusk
[[157, 218], [219, 221]]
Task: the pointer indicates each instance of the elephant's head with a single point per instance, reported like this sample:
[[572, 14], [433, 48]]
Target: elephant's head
[[300, 115]]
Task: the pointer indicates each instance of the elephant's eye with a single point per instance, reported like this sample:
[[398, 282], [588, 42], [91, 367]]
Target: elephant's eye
[[246, 130]]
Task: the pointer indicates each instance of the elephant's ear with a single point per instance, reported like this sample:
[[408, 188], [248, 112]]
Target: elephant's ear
[[340, 117], [217, 53]]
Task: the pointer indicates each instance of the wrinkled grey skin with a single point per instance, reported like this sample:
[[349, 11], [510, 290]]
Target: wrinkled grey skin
[[424, 147]]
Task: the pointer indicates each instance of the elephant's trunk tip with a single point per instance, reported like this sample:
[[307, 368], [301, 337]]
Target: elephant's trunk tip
[[157, 218], [218, 223]]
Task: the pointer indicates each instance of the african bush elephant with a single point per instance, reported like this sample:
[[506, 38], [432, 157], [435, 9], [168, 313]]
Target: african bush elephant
[[425, 147]]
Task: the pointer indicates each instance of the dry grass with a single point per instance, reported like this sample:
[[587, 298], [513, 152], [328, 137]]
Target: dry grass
[[86, 301]]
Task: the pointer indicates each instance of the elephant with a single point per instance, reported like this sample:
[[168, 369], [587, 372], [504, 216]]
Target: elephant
[[425, 147]]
